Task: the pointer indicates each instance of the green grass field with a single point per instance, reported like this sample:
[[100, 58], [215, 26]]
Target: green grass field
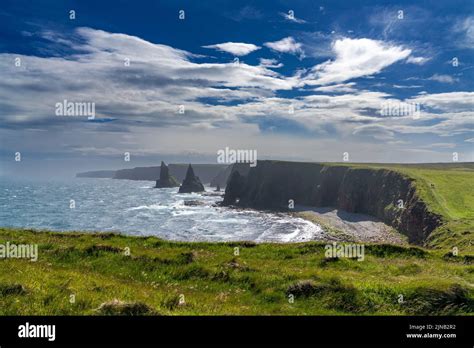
[[173, 278]]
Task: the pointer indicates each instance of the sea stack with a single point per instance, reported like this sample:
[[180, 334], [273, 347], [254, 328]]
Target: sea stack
[[166, 180], [191, 182]]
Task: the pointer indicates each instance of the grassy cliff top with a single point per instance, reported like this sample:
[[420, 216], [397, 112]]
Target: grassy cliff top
[[176, 278], [447, 189]]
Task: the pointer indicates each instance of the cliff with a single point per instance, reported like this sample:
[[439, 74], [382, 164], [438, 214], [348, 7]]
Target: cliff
[[205, 171], [138, 173], [97, 174], [223, 176], [372, 191]]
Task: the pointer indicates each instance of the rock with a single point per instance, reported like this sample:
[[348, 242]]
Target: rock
[[166, 180], [191, 182], [213, 193], [194, 203], [222, 178], [234, 188]]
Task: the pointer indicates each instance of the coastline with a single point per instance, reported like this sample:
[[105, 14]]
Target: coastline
[[351, 227]]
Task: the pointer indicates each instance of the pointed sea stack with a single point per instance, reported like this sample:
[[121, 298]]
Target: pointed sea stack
[[191, 182], [166, 180]]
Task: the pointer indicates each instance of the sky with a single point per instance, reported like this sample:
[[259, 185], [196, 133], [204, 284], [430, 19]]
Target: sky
[[366, 81]]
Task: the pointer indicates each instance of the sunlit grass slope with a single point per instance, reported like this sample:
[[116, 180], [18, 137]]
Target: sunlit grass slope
[[176, 278]]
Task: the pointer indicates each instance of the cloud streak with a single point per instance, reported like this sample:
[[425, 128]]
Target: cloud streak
[[356, 58], [235, 48], [286, 45]]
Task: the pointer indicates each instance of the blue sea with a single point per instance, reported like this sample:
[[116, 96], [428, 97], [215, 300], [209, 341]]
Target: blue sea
[[136, 208]]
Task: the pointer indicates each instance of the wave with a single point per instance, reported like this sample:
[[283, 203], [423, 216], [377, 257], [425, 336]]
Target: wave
[[149, 207], [103, 205]]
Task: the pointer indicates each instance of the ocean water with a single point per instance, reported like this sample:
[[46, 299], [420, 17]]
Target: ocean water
[[136, 208]]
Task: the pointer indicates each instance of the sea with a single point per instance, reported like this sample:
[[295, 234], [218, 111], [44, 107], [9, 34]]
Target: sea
[[136, 208]]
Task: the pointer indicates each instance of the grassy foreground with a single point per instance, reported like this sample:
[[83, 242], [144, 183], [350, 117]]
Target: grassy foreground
[[174, 278]]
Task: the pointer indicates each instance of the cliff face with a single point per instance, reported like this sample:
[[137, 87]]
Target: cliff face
[[376, 192], [223, 176]]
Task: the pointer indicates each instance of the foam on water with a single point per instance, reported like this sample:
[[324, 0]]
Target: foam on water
[[136, 208]]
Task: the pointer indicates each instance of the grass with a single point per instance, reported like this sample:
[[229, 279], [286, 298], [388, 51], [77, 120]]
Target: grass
[[176, 278], [448, 190], [449, 193]]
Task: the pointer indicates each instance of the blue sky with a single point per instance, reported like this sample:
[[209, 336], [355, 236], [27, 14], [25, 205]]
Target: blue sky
[[296, 80]]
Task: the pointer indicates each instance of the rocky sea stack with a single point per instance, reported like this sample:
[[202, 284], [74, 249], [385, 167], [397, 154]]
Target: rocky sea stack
[[191, 182], [166, 180]]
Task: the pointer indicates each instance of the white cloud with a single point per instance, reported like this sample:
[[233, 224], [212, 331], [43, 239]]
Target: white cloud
[[235, 48], [417, 60], [378, 132], [286, 45], [440, 145], [290, 16], [465, 28], [449, 102], [270, 63], [407, 86], [338, 88], [442, 78], [158, 79], [356, 58]]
